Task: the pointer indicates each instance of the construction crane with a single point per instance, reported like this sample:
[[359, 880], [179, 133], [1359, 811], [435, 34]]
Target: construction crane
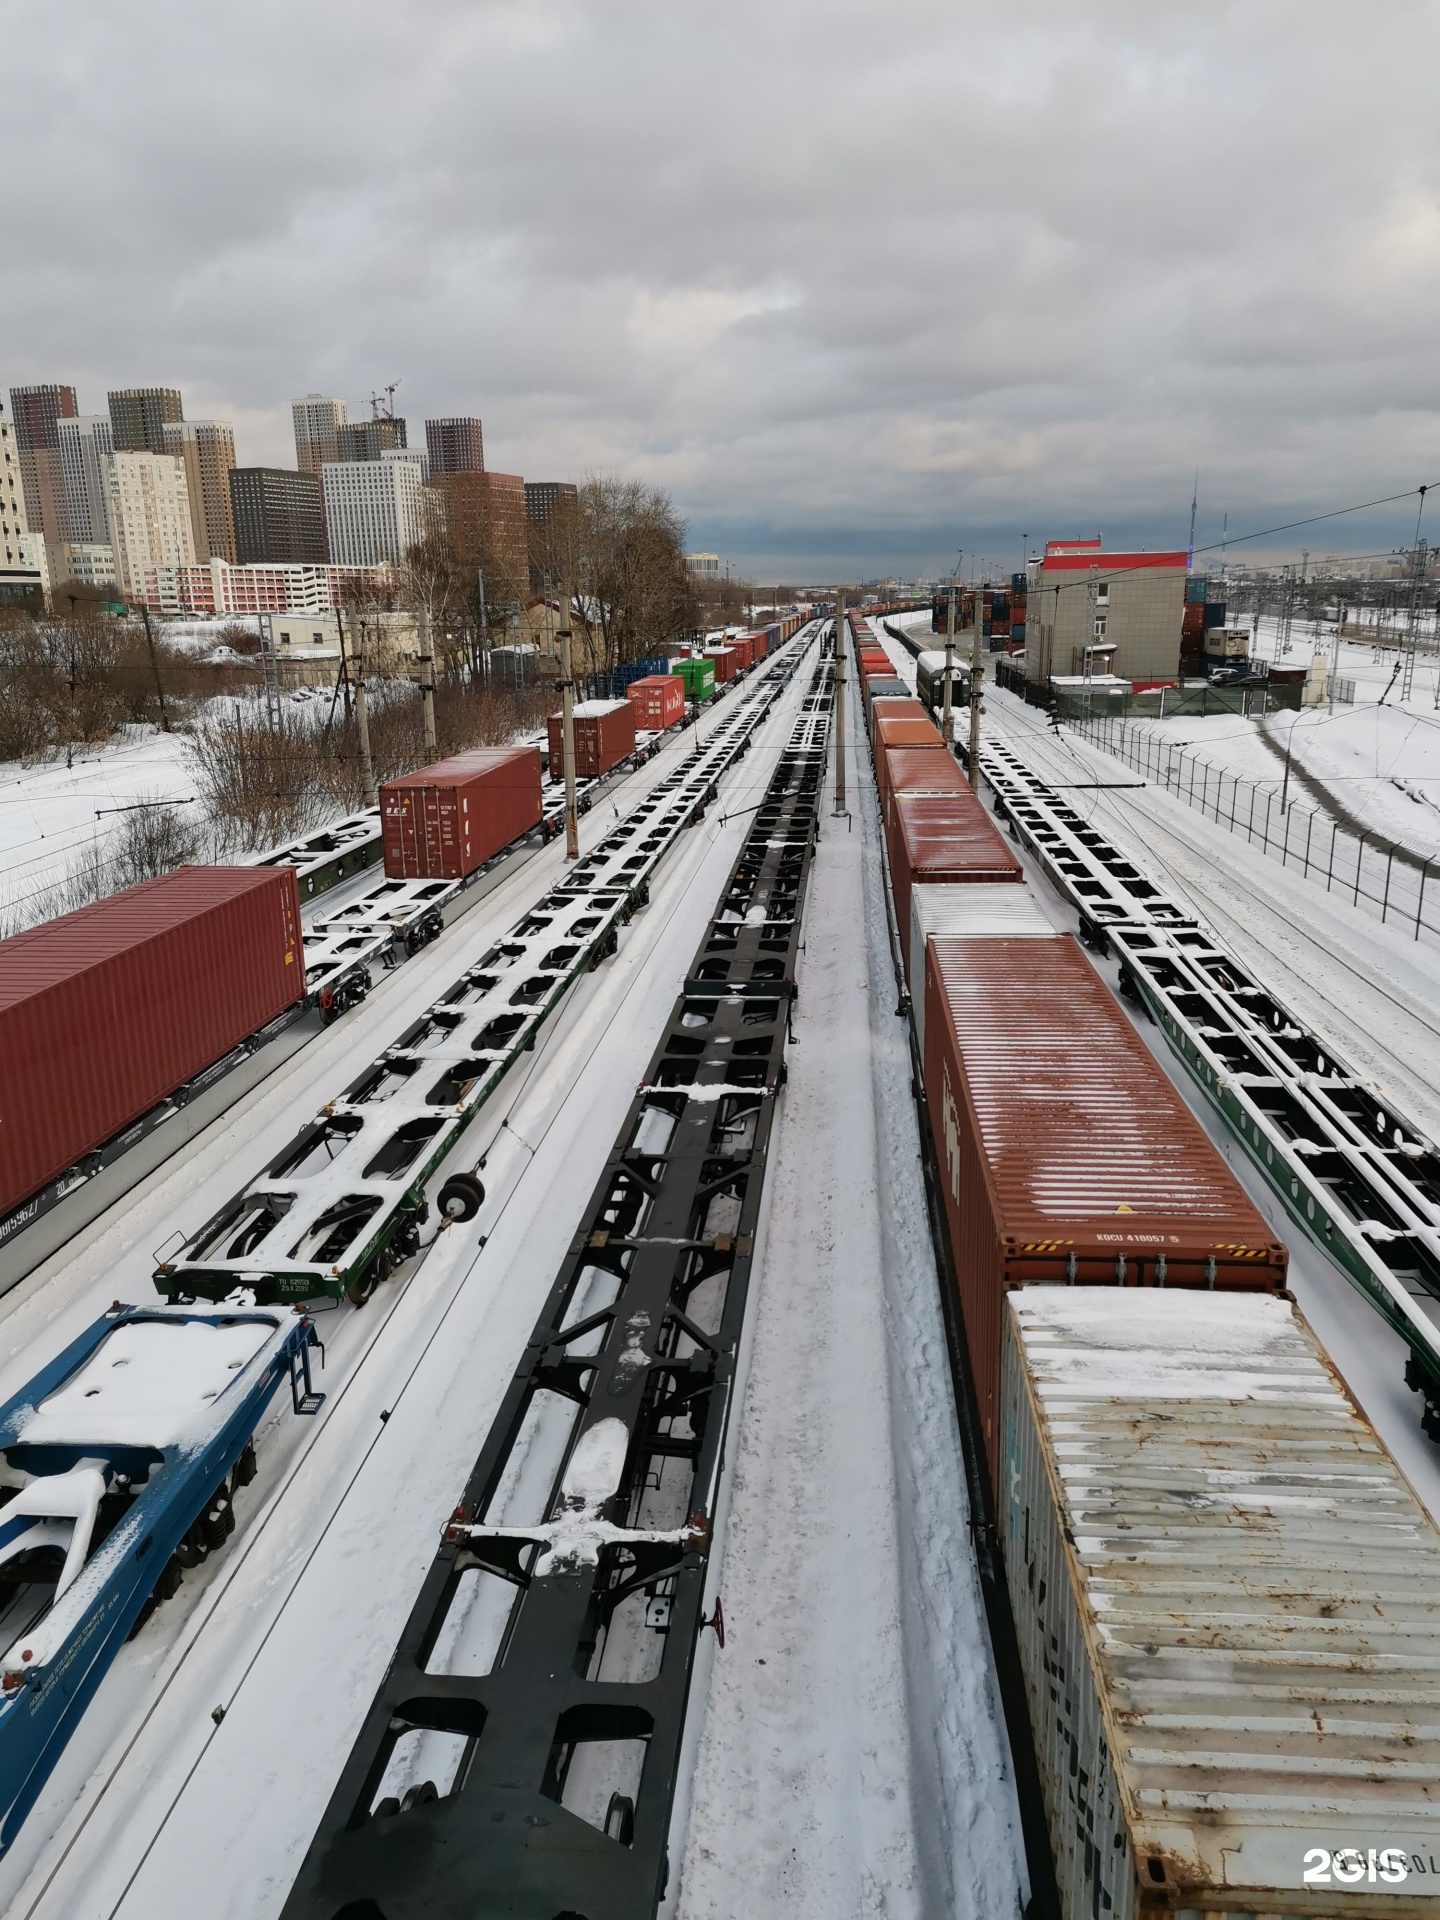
[[382, 404]]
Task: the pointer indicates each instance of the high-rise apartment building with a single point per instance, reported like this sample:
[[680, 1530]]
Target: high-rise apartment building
[[207, 450], [485, 518], [368, 439], [318, 421], [148, 510], [85, 443], [455, 446], [24, 574], [278, 515], [542, 497], [36, 415], [375, 510], [138, 416]]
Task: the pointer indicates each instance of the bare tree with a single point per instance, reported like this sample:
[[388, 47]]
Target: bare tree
[[624, 552]]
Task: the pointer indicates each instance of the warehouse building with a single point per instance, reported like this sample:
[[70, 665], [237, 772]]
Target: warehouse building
[[1092, 612]]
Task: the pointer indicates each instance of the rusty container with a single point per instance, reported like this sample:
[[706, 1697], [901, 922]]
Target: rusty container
[[105, 1012], [445, 820], [1065, 1153], [944, 838], [1224, 1600]]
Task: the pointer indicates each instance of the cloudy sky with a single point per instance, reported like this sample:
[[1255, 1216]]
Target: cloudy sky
[[861, 284]]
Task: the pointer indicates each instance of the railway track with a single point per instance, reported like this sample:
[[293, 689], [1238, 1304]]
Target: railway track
[[398, 1336]]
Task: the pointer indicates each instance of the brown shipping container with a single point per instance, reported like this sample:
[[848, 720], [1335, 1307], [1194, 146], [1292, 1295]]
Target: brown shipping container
[[604, 734], [658, 700], [940, 837], [744, 648], [919, 770], [106, 1011], [445, 820], [1065, 1154], [727, 662], [899, 730], [899, 707]]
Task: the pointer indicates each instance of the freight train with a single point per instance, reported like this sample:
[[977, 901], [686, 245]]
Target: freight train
[[1218, 1581]]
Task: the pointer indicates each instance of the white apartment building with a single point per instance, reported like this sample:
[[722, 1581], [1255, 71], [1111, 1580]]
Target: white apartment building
[[148, 511], [318, 421], [374, 510], [217, 588], [207, 449], [14, 526], [86, 442], [87, 563]]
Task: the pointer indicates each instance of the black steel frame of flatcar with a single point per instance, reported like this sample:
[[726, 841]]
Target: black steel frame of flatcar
[[500, 1840]]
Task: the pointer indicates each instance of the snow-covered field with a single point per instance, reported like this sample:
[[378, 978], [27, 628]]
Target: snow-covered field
[[51, 815]]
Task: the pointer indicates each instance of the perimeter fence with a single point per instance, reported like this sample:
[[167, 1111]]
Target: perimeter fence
[[1372, 874]]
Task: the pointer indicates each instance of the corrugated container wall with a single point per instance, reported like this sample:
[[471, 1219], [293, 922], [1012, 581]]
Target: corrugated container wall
[[983, 909], [604, 734], [919, 770], [1065, 1152], [105, 1012], [939, 838], [1224, 1596], [658, 700], [725, 660], [698, 676], [445, 820]]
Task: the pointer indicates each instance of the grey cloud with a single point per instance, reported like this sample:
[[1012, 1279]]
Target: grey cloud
[[832, 272]]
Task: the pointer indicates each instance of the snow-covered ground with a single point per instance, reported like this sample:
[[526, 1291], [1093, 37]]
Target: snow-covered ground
[[852, 1759], [51, 814], [155, 1811]]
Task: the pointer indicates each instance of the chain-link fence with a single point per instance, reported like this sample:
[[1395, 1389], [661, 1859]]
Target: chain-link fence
[[1370, 873]]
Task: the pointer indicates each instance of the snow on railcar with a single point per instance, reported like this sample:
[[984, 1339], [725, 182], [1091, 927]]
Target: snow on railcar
[[120, 1461]]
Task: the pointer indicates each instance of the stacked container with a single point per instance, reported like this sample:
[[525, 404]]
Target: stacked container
[[604, 735], [930, 769], [1224, 1601], [658, 700], [943, 839], [1065, 1153], [105, 1012], [445, 820]]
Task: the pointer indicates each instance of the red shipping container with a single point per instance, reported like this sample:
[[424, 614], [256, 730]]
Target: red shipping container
[[919, 770], [898, 706], [658, 700], [940, 837], [604, 734], [443, 821], [889, 730], [106, 1011], [727, 662], [1065, 1153]]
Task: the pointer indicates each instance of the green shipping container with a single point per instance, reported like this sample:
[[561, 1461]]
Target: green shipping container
[[699, 677]]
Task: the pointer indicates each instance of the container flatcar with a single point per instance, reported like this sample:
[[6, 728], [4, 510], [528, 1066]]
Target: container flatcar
[[121, 1459]]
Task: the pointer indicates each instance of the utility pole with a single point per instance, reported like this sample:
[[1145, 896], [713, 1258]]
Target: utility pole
[[427, 683], [362, 727], [344, 663], [977, 670], [947, 717], [154, 663], [839, 701], [1418, 563], [567, 725]]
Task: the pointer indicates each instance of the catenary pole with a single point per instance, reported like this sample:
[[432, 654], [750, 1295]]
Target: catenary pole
[[362, 726], [839, 701], [427, 684], [947, 715], [567, 724], [976, 669]]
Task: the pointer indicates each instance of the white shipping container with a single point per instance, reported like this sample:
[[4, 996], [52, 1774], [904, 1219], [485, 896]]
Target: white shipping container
[[1227, 1600], [973, 911]]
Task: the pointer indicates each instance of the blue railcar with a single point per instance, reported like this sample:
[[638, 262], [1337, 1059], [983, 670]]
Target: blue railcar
[[120, 1462]]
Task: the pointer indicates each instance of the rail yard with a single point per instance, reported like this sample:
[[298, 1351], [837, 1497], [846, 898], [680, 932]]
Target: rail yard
[[860, 1332]]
